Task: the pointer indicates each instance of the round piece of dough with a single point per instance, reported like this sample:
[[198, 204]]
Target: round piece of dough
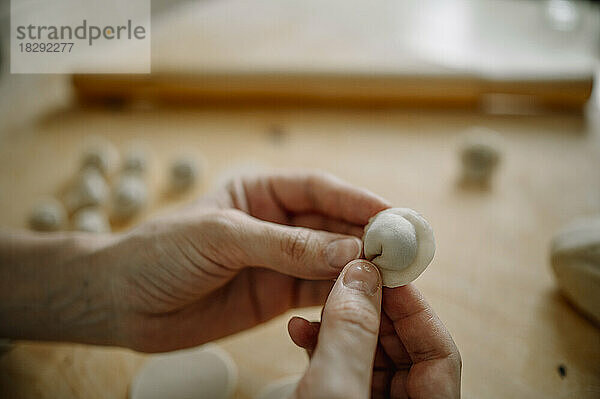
[[89, 189], [135, 161], [48, 215], [129, 197], [100, 155], [479, 154], [400, 242], [208, 372], [575, 257], [91, 220], [184, 172]]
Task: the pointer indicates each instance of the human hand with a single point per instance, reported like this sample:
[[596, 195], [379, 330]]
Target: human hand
[[236, 258], [376, 343]]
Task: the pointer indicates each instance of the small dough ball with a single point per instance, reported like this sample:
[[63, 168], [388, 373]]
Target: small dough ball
[[575, 258], [207, 372], [91, 220], [90, 189], [48, 215], [129, 197], [480, 155], [184, 173], [102, 156], [135, 161], [400, 242]]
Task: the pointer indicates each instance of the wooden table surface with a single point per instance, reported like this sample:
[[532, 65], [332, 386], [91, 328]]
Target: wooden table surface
[[490, 281]]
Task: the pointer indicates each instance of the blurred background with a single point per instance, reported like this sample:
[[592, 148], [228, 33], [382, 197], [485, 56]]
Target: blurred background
[[482, 115]]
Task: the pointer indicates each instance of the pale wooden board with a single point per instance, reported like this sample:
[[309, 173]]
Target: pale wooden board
[[490, 280]]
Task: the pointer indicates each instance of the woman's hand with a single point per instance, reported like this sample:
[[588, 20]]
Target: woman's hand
[[374, 343], [234, 259]]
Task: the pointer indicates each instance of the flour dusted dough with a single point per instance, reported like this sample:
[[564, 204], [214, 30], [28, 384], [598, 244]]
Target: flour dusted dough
[[91, 220], [575, 257], [48, 215], [208, 372], [400, 242]]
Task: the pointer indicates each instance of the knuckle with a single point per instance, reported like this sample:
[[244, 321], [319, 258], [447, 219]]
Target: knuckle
[[355, 315], [221, 238], [297, 245]]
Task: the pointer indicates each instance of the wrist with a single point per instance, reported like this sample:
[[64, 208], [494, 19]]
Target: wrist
[[57, 287]]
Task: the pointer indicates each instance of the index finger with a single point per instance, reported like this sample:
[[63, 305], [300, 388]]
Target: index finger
[[421, 331], [303, 192]]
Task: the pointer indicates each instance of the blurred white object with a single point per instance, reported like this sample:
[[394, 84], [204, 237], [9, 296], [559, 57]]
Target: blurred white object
[[89, 189], [135, 161], [91, 220], [563, 14], [48, 215], [205, 372], [575, 257], [129, 197], [500, 39], [102, 155]]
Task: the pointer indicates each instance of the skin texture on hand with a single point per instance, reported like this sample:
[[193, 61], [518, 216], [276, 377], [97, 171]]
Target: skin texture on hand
[[258, 247], [234, 259], [376, 343]]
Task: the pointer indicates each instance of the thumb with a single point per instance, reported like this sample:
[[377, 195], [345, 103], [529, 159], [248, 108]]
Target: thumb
[[342, 364], [297, 251]]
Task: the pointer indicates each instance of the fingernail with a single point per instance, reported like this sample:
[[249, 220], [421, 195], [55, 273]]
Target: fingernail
[[362, 276], [342, 251]]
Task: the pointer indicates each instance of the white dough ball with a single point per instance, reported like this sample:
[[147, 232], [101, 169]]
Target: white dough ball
[[100, 155], [480, 155], [135, 161], [575, 257], [92, 220], [89, 189], [129, 197], [184, 172], [207, 372], [48, 215], [400, 242]]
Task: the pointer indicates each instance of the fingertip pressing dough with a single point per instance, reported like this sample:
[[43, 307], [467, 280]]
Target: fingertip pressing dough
[[480, 155], [575, 259], [183, 174], [100, 155], [400, 242], [208, 372], [91, 220], [48, 215], [129, 197]]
